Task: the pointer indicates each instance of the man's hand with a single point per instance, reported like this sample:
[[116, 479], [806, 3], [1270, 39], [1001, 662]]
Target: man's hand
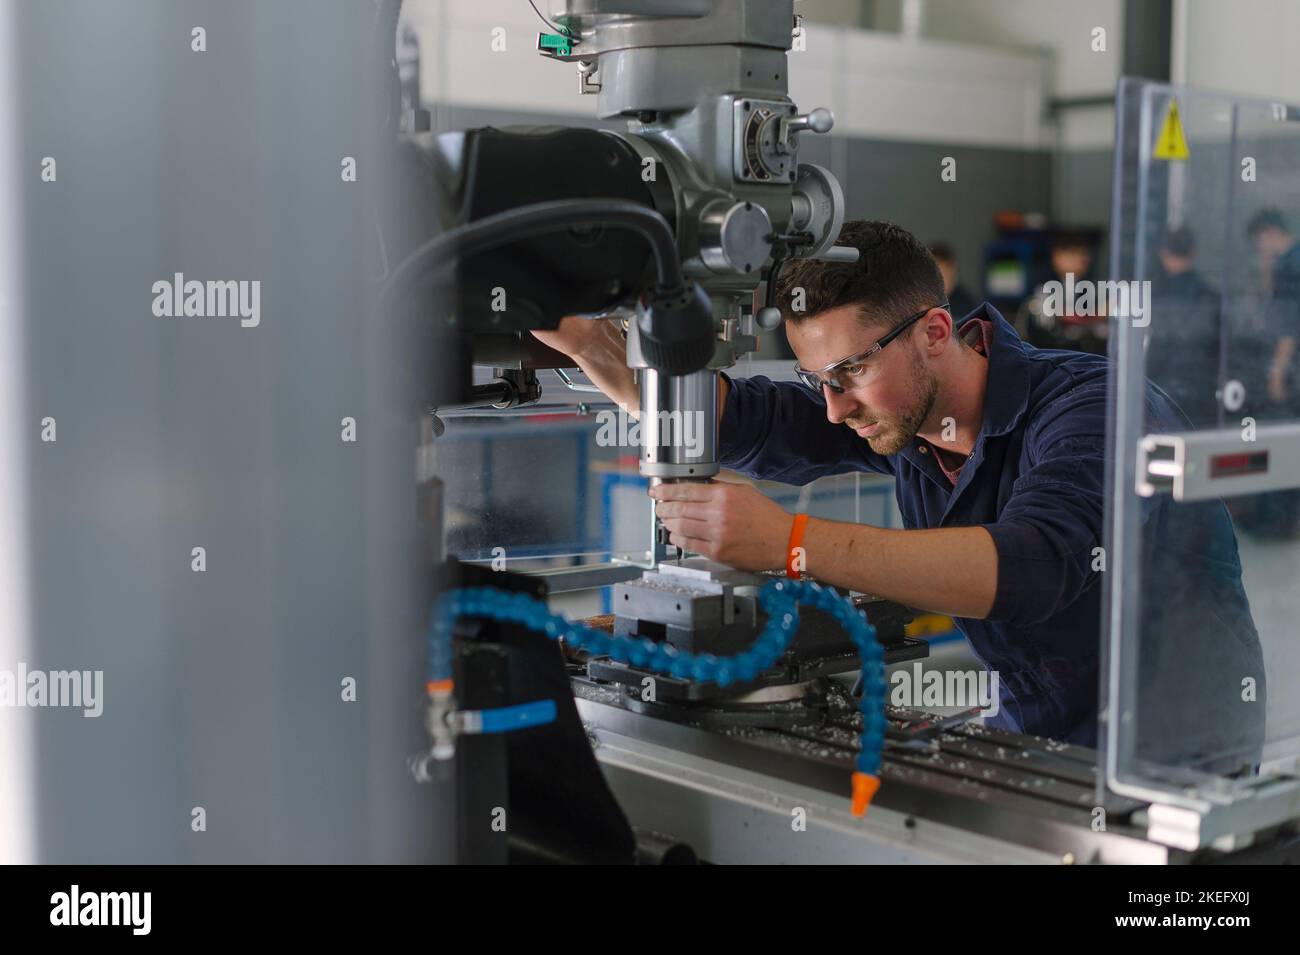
[[731, 523], [952, 570], [1277, 384], [1283, 355], [576, 336], [598, 348]]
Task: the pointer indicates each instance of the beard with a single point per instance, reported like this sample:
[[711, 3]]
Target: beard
[[898, 430]]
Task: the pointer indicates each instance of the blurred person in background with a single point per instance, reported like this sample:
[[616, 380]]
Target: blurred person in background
[[1279, 259], [1071, 264], [960, 301], [1276, 515], [1182, 342]]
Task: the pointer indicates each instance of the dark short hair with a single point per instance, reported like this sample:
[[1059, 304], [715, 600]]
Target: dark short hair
[[1179, 242], [1071, 239], [942, 252], [894, 277], [1270, 218]]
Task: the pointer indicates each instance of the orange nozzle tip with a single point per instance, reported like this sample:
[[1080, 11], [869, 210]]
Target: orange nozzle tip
[[435, 686], [864, 789]]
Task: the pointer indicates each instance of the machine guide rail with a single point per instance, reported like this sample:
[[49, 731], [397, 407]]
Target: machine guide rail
[[1030, 793]]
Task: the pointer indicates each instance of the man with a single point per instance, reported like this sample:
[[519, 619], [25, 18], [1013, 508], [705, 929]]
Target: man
[[960, 301], [998, 451], [1276, 516], [1183, 344], [1279, 256], [1071, 261]]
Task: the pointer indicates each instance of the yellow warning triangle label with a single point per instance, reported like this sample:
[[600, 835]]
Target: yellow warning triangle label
[[1171, 144]]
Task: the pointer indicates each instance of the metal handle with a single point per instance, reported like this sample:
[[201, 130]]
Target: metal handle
[[819, 120]]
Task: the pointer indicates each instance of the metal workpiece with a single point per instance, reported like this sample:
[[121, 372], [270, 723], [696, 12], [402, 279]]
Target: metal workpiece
[[704, 572], [700, 606], [698, 611]]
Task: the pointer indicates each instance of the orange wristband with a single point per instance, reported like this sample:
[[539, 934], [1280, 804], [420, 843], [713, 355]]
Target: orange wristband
[[796, 538]]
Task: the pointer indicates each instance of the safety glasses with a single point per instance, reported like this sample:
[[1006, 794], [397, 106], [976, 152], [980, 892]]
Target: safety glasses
[[843, 374]]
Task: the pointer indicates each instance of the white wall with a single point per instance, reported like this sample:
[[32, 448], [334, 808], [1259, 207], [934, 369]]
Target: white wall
[[459, 66], [1061, 27], [1245, 46], [845, 13], [1059, 30], [883, 86]]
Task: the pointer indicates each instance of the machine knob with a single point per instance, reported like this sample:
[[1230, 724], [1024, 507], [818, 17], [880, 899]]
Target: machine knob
[[735, 238], [819, 120]]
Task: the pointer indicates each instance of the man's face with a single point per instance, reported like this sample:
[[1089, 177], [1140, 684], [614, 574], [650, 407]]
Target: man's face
[[1271, 243], [1174, 264], [889, 399], [1071, 260]]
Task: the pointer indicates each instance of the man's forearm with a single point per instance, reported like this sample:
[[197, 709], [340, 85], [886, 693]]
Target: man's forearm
[[952, 570]]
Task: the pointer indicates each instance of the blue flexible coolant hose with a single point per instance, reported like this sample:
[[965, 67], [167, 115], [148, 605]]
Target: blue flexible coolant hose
[[780, 599]]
